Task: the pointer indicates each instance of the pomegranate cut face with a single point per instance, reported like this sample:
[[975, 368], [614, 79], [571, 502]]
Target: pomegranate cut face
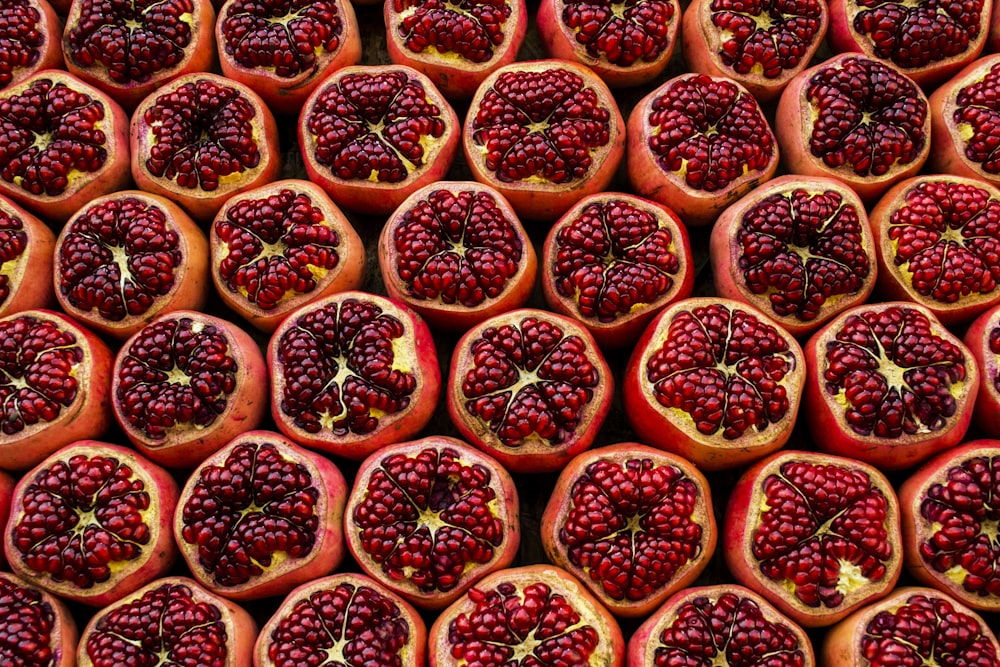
[[26, 249], [27, 40], [639, 30], [13, 244], [976, 115], [983, 339], [482, 25], [966, 114], [37, 628]]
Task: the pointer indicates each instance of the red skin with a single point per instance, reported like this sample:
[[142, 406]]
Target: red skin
[[29, 288], [6, 495], [64, 634], [993, 40], [977, 337], [50, 53]]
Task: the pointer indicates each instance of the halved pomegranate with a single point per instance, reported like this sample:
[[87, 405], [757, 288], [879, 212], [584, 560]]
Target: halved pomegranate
[[351, 373], [798, 248], [282, 50], [544, 133], [62, 143], [530, 388], [613, 261], [36, 627], [92, 523], [856, 119], [172, 621], [719, 625], [626, 43], [30, 33], [534, 614], [983, 339], [54, 386], [714, 381], [26, 250], [431, 517], [457, 254], [347, 615], [633, 523], [456, 45], [888, 384], [261, 516], [202, 138], [698, 143], [280, 246], [186, 384], [373, 135]]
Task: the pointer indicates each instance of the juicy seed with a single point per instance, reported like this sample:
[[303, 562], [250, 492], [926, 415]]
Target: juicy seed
[[20, 39], [471, 30], [620, 33], [770, 37], [13, 244], [28, 624], [978, 114]]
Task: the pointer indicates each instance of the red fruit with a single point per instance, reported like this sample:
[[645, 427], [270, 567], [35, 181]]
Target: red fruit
[[530, 388], [202, 138], [62, 143], [698, 143], [888, 384], [280, 246], [54, 386], [25, 241], [431, 517], [983, 339], [351, 373], [283, 50], [633, 523], [626, 44], [91, 523], [799, 249], [719, 625], [373, 135], [455, 45], [527, 614], [993, 38], [457, 254], [344, 614], [186, 384], [855, 119], [760, 45], [714, 381], [545, 134], [129, 49], [36, 628], [30, 34], [261, 516], [613, 261], [170, 621]]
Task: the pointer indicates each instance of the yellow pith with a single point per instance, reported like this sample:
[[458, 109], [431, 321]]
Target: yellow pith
[[850, 578]]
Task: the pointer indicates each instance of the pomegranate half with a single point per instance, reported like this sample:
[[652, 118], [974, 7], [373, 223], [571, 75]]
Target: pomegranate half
[[36, 627], [983, 339]]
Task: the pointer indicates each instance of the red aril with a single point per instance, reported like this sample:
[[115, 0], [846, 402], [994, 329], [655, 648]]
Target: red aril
[[983, 340], [633, 523], [27, 245], [30, 32], [36, 627]]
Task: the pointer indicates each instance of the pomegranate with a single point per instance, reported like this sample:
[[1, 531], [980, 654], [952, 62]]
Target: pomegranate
[[186, 384], [280, 246], [888, 384], [613, 261], [36, 627], [25, 241], [91, 523], [30, 33], [799, 248], [373, 135], [200, 139], [456, 44], [530, 388], [534, 614], [351, 373], [457, 254], [62, 143], [171, 621], [127, 257], [544, 133], [719, 625], [430, 517], [760, 45], [53, 386], [949, 514], [283, 49], [347, 615], [714, 381], [993, 39], [129, 49], [912, 626], [964, 120], [697, 143], [625, 42], [856, 119], [983, 339], [261, 516], [633, 523]]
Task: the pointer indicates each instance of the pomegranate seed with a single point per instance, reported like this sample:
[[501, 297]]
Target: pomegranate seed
[[471, 30], [772, 35], [978, 107], [28, 625], [20, 40], [919, 34], [13, 243], [622, 33]]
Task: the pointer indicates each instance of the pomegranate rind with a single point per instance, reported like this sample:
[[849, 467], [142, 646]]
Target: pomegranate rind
[[50, 55], [983, 339], [825, 412], [348, 274], [6, 497], [729, 261], [592, 626], [795, 648], [402, 535], [660, 525], [396, 615], [674, 430], [993, 39], [156, 557], [61, 645], [26, 290]]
